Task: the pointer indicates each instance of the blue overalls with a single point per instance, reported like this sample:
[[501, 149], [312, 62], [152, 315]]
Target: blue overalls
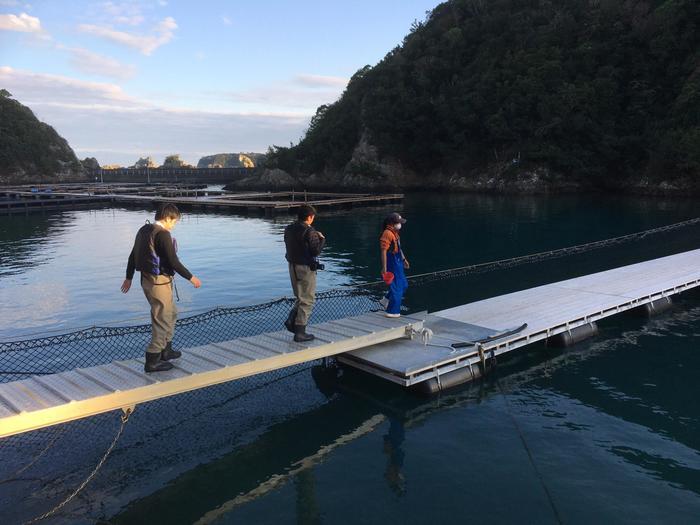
[[394, 264]]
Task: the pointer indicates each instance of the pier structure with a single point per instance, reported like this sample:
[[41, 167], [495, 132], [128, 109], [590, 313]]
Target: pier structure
[[41, 198], [429, 352], [170, 175]]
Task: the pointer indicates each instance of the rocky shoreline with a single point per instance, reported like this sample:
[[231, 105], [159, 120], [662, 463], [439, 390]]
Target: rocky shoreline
[[368, 171], [523, 182], [506, 181]]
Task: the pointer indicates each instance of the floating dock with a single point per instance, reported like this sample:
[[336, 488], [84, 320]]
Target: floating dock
[[24, 200], [270, 203], [433, 351], [24, 203], [549, 310]]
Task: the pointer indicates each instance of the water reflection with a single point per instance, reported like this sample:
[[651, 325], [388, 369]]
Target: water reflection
[[25, 241], [393, 441]]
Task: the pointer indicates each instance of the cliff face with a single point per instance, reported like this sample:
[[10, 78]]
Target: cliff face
[[230, 160], [513, 95], [30, 150]]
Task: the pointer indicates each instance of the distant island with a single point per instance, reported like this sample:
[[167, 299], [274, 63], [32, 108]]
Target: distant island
[[501, 95], [231, 160], [220, 160]]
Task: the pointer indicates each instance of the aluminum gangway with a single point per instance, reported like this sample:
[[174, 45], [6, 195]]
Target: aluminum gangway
[[46, 400]]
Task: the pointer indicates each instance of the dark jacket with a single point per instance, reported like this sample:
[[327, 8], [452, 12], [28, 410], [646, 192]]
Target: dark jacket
[[154, 252], [303, 243]]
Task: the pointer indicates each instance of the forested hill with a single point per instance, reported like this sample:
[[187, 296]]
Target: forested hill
[[520, 93], [31, 151]]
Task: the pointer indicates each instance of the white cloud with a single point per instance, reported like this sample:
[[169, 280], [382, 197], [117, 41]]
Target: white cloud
[[37, 88], [284, 97], [100, 119], [321, 81], [226, 20], [121, 136], [23, 23], [303, 93], [162, 3], [124, 13], [129, 20], [163, 33], [96, 64], [9, 3]]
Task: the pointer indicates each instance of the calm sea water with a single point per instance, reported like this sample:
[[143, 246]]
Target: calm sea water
[[604, 432]]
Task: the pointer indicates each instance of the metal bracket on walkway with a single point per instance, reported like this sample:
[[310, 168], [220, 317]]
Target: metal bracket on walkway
[[482, 357], [126, 412], [425, 334]]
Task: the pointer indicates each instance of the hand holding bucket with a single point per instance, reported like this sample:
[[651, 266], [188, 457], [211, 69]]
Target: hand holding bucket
[[388, 277]]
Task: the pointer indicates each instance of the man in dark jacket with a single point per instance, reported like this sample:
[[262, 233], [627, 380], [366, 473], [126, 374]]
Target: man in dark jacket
[[304, 245], [154, 255]]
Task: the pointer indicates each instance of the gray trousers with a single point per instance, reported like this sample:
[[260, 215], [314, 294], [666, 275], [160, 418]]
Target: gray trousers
[[304, 288], [158, 290]]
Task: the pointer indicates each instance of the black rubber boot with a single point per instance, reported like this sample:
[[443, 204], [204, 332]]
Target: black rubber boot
[[168, 353], [154, 364], [289, 322], [300, 335]]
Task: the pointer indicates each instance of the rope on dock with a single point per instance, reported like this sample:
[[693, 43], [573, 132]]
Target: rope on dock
[[530, 456], [124, 419], [15, 475], [542, 256]]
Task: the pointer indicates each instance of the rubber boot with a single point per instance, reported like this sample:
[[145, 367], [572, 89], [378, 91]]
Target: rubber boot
[[154, 364], [289, 322], [168, 353], [300, 335]]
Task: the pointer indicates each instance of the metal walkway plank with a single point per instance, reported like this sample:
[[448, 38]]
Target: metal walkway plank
[[222, 355], [61, 383]]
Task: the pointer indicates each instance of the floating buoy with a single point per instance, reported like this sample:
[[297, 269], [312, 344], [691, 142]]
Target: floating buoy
[[573, 336], [653, 308], [448, 380]]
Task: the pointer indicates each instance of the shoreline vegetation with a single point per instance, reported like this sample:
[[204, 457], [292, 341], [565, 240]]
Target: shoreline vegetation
[[498, 96], [516, 95]]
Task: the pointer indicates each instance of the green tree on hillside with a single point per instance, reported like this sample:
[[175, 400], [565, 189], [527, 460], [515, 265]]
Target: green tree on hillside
[[593, 90], [29, 148]]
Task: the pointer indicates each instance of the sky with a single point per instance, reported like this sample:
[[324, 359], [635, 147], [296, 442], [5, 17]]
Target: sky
[[127, 79]]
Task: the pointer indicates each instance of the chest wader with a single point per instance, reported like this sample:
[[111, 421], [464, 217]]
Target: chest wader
[[394, 264], [303, 280], [158, 289]]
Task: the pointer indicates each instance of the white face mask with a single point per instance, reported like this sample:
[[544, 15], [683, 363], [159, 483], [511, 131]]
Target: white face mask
[[397, 226]]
